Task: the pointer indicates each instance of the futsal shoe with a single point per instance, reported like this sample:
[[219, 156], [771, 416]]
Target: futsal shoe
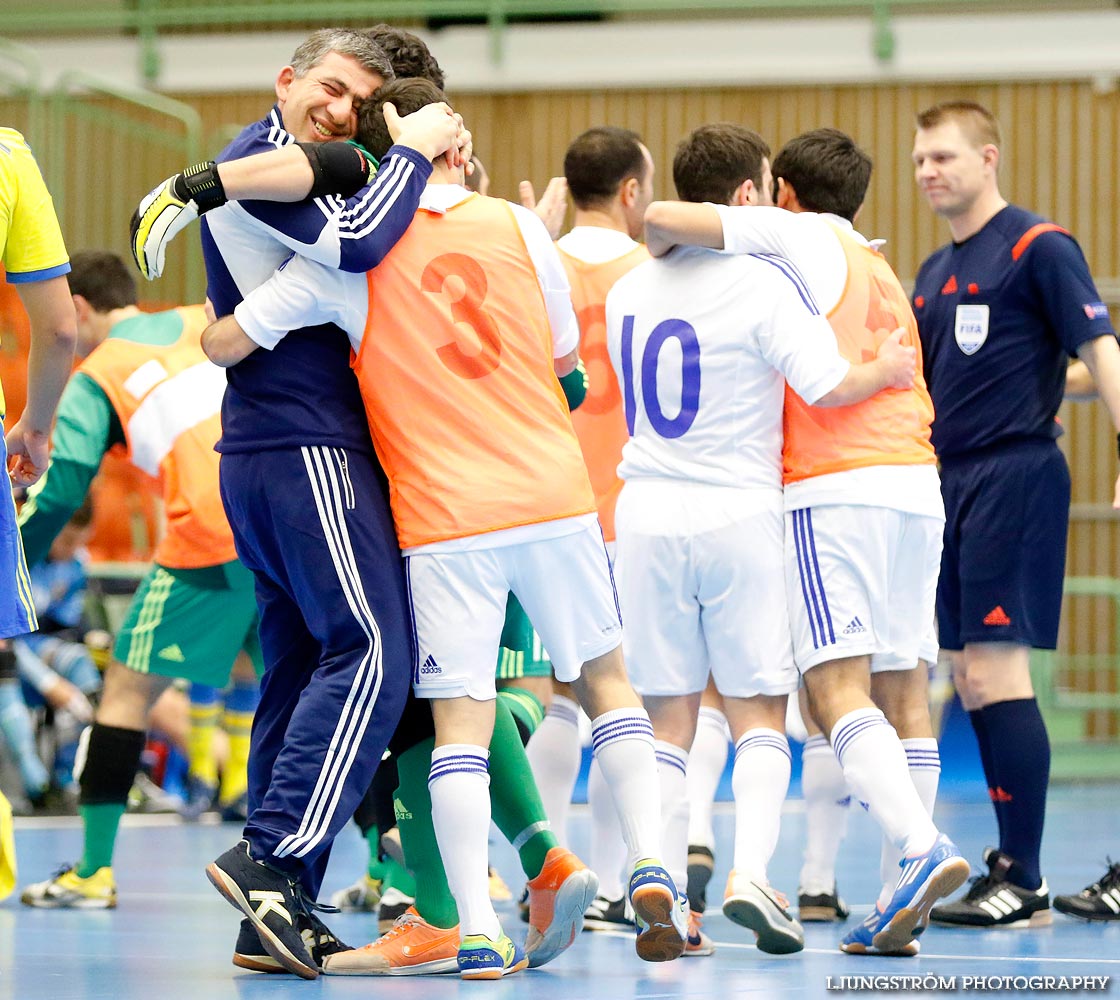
[[858, 941], [250, 954], [413, 947], [364, 896], [320, 940], [697, 944], [394, 903], [272, 900], [660, 913], [1100, 901], [558, 896], [821, 907], [993, 901], [66, 890], [608, 915], [499, 891], [481, 957], [764, 910], [924, 879], [701, 863]]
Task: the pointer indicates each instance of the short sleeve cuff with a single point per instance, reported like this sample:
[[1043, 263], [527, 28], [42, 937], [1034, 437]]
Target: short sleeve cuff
[[41, 274]]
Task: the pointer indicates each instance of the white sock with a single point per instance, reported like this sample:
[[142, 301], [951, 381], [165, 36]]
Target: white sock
[[554, 755], [459, 783], [623, 742], [608, 849], [826, 815], [924, 763], [706, 762], [672, 764], [760, 780], [875, 769]]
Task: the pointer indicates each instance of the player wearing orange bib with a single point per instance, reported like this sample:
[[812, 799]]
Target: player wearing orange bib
[[609, 174], [489, 495]]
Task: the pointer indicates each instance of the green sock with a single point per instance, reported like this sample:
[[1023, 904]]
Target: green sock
[[526, 708], [375, 869], [515, 802], [100, 823], [413, 806], [398, 877]]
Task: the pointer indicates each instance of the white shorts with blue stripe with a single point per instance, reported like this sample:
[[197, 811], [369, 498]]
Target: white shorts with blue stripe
[[861, 581]]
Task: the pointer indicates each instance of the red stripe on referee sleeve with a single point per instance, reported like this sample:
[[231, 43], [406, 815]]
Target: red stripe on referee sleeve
[[1032, 234]]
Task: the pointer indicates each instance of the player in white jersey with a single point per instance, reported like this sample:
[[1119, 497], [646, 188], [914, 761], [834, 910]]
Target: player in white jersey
[[866, 513], [704, 345], [824, 169]]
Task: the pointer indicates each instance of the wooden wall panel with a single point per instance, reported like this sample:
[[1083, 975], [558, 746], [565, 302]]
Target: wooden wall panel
[[1060, 151]]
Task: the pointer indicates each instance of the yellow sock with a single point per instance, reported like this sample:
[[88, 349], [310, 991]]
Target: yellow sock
[[200, 742], [235, 781], [8, 873]]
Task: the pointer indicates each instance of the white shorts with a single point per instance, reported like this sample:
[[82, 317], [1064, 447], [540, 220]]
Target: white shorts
[[861, 580], [703, 601], [929, 649], [459, 604]]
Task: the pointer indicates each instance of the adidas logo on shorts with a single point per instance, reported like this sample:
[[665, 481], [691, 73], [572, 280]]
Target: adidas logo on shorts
[[854, 627], [430, 666]]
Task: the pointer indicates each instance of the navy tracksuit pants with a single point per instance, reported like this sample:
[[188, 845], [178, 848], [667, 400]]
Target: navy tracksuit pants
[[313, 524]]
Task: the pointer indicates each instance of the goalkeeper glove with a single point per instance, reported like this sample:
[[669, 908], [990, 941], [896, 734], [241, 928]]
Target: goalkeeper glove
[[168, 209], [574, 385]]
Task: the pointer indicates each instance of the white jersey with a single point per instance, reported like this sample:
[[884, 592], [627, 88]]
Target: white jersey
[[702, 344], [811, 241]]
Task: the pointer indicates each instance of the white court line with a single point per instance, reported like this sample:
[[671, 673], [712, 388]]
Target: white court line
[[924, 955], [75, 822]]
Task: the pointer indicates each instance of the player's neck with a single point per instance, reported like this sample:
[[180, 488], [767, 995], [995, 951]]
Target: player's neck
[[982, 211], [600, 219], [443, 174]]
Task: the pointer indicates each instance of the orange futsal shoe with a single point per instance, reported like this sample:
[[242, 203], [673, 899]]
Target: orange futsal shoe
[[558, 896], [413, 947]]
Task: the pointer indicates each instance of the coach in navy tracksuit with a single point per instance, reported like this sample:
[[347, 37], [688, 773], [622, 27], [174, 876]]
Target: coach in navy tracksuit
[[306, 498]]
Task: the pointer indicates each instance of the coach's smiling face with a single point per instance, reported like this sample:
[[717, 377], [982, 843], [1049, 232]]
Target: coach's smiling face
[[322, 105]]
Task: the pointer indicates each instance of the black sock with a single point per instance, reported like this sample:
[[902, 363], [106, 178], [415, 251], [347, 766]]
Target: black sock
[[980, 728], [1020, 749]]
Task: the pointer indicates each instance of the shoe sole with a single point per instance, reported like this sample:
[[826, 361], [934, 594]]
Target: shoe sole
[[599, 924], [257, 963], [439, 966], [911, 920], [77, 904], [699, 873], [820, 915], [1093, 917], [575, 895], [1041, 918], [272, 944], [910, 950], [660, 941], [772, 939], [496, 973]]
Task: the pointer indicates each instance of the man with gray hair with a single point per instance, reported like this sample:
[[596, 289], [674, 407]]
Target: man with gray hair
[[303, 490]]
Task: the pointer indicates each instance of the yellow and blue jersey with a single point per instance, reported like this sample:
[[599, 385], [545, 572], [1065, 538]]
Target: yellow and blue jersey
[[31, 246], [31, 249]]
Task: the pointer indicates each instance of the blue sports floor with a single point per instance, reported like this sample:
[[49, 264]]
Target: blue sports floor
[[172, 936]]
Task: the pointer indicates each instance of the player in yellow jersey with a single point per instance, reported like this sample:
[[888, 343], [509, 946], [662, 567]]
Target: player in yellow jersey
[[35, 261]]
